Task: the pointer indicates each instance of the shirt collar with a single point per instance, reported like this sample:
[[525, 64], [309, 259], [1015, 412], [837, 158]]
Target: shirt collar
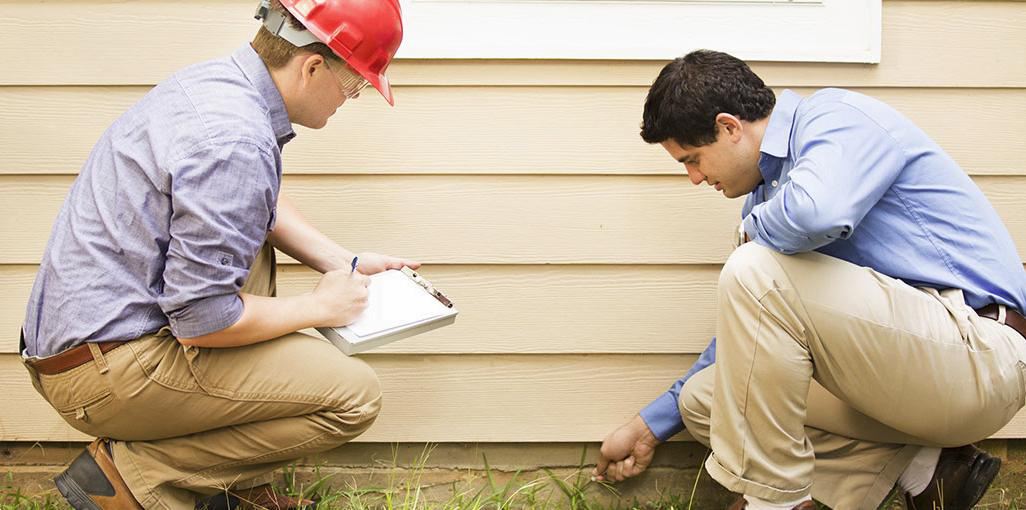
[[776, 140], [256, 72]]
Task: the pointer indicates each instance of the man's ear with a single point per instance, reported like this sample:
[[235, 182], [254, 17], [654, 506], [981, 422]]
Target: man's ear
[[731, 126], [310, 64]]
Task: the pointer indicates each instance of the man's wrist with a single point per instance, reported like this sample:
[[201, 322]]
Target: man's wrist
[[645, 434], [340, 259], [312, 311]]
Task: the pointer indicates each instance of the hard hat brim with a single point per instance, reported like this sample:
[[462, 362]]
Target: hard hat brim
[[381, 83]]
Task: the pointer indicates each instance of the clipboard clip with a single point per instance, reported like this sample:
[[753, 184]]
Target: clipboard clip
[[419, 280]]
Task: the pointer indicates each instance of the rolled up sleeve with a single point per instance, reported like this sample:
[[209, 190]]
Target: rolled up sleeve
[[223, 198]]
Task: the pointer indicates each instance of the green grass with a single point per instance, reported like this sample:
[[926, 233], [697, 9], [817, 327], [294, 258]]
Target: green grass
[[405, 488], [13, 498], [480, 490]]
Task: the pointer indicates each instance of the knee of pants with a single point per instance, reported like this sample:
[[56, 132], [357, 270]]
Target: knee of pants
[[695, 410], [361, 400], [357, 420], [747, 266]]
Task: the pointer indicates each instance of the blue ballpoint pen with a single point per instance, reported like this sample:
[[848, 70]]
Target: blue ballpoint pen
[[352, 268]]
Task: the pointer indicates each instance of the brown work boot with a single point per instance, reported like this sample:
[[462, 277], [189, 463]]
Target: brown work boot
[[741, 504], [264, 497], [962, 477], [92, 482]]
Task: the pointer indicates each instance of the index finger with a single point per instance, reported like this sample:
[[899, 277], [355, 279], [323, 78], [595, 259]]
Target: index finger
[[600, 466]]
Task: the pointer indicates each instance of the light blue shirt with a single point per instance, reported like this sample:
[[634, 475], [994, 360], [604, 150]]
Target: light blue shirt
[[167, 214], [850, 177]]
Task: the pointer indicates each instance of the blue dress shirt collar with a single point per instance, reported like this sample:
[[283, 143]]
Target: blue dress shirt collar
[[776, 140], [256, 72]]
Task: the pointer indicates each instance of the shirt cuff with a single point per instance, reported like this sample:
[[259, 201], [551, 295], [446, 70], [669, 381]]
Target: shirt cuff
[[663, 416], [208, 315], [749, 226]]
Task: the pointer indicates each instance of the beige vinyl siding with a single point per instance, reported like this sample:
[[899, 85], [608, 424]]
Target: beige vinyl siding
[[628, 220], [466, 397], [540, 309], [584, 264], [494, 130]]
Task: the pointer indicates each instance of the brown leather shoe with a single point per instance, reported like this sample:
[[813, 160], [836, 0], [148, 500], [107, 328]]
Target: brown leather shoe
[[92, 482], [962, 477], [741, 504], [264, 497]]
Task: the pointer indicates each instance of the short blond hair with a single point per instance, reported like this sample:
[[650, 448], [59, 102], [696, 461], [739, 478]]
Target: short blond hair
[[276, 52]]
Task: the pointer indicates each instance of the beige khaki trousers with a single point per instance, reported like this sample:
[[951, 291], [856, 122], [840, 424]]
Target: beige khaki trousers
[[194, 421], [827, 374]]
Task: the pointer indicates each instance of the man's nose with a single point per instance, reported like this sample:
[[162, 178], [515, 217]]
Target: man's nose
[[695, 176]]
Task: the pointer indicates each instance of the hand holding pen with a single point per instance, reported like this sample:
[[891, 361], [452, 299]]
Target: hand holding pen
[[373, 263], [341, 295]]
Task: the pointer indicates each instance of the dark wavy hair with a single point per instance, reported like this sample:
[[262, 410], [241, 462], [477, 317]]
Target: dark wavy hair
[[690, 91]]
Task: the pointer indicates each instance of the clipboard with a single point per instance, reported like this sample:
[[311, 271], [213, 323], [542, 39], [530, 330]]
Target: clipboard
[[401, 304]]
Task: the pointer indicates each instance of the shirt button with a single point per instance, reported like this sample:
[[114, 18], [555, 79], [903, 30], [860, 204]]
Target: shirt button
[[774, 183]]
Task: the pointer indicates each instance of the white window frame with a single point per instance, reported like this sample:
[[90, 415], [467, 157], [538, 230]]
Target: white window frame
[[764, 30]]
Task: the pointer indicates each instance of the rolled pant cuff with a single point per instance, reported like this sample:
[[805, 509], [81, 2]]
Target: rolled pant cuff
[[255, 482], [740, 485], [888, 477]]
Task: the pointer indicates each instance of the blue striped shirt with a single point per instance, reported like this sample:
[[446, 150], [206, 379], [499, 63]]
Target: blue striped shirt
[[168, 212]]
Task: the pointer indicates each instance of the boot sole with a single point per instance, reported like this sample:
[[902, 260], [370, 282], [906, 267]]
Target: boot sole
[[76, 497], [983, 474]]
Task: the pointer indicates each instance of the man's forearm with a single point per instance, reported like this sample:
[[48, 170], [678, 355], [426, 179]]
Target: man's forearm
[[263, 318], [297, 238], [662, 416]]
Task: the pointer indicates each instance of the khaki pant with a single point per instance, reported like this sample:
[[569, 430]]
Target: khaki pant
[[895, 365], [191, 421]]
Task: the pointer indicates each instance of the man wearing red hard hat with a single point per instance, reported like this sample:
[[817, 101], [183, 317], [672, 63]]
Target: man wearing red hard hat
[[153, 322]]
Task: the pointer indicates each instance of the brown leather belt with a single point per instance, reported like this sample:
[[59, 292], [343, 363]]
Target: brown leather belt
[[1013, 319], [71, 358]]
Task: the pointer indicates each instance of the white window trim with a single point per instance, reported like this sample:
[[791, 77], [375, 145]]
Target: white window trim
[[764, 30]]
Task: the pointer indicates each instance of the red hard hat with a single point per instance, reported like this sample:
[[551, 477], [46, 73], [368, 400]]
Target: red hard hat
[[365, 33]]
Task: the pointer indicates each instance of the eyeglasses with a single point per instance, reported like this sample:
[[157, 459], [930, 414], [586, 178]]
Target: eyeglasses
[[349, 81]]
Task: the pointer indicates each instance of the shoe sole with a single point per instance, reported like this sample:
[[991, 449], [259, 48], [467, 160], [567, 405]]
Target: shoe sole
[[77, 498], [983, 473]]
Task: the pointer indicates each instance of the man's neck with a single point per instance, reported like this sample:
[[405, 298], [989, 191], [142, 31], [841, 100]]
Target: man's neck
[[757, 130]]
